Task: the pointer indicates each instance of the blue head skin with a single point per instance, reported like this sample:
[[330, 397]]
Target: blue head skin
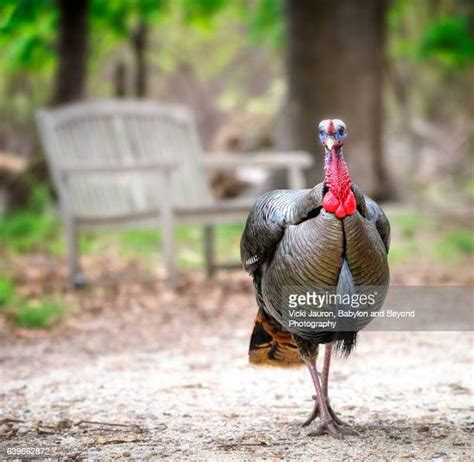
[[332, 134]]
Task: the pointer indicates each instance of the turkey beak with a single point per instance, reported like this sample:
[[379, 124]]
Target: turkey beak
[[330, 142]]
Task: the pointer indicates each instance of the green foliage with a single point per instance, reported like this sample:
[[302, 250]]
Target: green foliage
[[38, 314], [146, 244], [40, 199], [448, 41], [402, 251], [407, 223], [121, 17], [200, 13], [468, 186], [32, 227], [420, 31], [416, 235], [32, 314], [454, 244], [189, 242], [141, 241], [25, 231], [27, 34], [181, 34], [266, 23], [228, 242], [7, 291], [28, 28]]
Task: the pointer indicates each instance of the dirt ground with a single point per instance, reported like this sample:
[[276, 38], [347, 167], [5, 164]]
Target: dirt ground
[[139, 372]]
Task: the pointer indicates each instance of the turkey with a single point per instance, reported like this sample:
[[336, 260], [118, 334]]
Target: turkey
[[329, 236]]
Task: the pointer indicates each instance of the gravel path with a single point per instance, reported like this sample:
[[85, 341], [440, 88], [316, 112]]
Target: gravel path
[[153, 379]]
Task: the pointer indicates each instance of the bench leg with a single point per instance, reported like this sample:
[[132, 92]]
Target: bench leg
[[209, 250], [75, 274], [296, 179]]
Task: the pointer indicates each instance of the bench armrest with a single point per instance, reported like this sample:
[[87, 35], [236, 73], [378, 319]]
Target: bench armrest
[[293, 161], [165, 166], [269, 160]]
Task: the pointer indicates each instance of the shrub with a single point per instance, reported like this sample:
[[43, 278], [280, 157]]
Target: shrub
[[7, 291], [38, 314]]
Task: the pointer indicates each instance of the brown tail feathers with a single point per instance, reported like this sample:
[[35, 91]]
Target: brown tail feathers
[[271, 346]]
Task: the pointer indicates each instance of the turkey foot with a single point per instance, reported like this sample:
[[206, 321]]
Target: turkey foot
[[316, 413], [328, 427]]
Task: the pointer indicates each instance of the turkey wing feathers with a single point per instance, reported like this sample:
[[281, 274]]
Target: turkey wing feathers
[[376, 215], [273, 212]]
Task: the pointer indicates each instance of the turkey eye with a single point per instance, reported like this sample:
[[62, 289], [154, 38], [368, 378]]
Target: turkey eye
[[321, 132], [341, 130]]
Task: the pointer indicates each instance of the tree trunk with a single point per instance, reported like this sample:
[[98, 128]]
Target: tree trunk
[[72, 51], [139, 44], [334, 65], [120, 80]]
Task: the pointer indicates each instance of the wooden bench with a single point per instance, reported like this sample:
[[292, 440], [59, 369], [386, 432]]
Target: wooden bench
[[138, 163]]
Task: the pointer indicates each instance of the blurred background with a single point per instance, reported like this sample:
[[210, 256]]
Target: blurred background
[[257, 75]]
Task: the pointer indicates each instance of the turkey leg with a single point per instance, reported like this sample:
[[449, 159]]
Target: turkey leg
[[315, 413], [328, 426]]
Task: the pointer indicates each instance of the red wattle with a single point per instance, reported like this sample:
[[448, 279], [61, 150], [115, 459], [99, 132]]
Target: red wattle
[[340, 212], [350, 203], [330, 202]]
